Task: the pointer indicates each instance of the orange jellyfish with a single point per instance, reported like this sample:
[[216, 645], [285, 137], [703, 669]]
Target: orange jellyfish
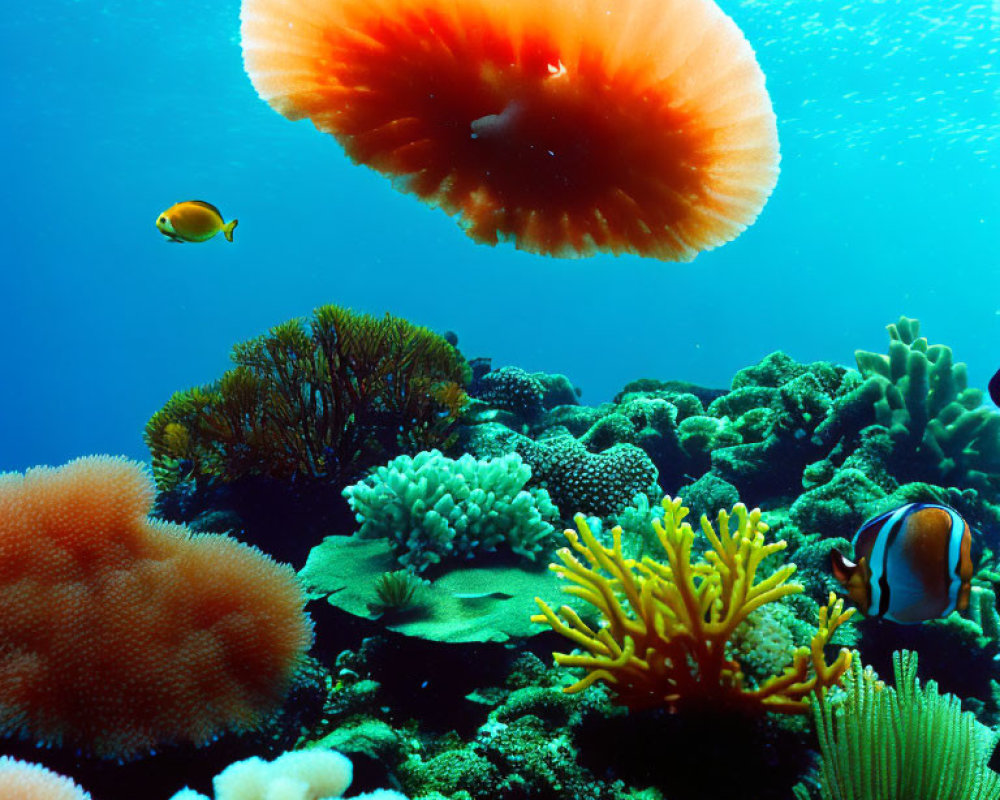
[[566, 126]]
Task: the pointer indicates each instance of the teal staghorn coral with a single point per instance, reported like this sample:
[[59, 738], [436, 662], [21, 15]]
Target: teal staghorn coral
[[940, 429], [434, 508]]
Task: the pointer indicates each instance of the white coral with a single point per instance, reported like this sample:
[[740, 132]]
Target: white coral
[[298, 775]]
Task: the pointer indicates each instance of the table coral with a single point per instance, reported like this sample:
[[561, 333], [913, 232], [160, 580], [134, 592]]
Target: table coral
[[324, 399], [120, 632], [666, 626]]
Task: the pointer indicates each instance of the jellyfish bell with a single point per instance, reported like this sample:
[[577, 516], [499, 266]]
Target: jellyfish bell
[[567, 127]]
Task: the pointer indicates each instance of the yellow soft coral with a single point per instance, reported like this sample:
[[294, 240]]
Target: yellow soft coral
[[663, 639]]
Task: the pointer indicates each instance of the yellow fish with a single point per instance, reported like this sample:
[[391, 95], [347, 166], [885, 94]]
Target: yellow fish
[[194, 221]]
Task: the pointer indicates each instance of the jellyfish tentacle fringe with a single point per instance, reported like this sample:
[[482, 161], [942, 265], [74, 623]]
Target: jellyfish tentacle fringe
[[666, 624]]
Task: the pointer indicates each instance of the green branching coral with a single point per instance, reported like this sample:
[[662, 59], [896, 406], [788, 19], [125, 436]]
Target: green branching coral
[[940, 430], [322, 399], [902, 743], [433, 508]]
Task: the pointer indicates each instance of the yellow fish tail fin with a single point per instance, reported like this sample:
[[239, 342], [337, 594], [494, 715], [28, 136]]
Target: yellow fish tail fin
[[227, 229]]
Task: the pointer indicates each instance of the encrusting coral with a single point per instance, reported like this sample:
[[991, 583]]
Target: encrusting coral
[[514, 390], [119, 632], [434, 508], [601, 483], [323, 400], [20, 780], [666, 627]]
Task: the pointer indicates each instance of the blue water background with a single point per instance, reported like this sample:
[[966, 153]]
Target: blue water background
[[888, 203]]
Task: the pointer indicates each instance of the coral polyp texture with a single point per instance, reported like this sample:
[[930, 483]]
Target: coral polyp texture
[[434, 508], [514, 390], [20, 780], [666, 626], [119, 632], [600, 483], [939, 427], [323, 399]]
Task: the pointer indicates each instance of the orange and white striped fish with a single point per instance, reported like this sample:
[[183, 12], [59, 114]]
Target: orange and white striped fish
[[913, 564]]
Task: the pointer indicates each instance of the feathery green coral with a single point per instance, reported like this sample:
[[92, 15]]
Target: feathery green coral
[[902, 743], [432, 508], [396, 591], [322, 399]]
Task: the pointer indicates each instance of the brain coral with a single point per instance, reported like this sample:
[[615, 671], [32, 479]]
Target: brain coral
[[120, 632], [593, 483], [20, 780]]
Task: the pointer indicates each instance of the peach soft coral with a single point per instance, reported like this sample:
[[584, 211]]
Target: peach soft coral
[[120, 632], [24, 781]]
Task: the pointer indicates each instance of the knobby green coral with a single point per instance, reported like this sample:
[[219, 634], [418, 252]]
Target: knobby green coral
[[433, 508], [322, 399], [902, 743], [941, 430]]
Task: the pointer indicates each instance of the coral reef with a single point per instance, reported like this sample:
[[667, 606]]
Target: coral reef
[[20, 780], [203, 631], [523, 737], [433, 508], [430, 678], [322, 399], [663, 641]]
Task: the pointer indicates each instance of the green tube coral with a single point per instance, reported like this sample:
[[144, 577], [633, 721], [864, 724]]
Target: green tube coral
[[940, 429]]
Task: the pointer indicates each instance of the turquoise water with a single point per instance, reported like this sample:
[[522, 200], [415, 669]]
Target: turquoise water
[[888, 203]]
